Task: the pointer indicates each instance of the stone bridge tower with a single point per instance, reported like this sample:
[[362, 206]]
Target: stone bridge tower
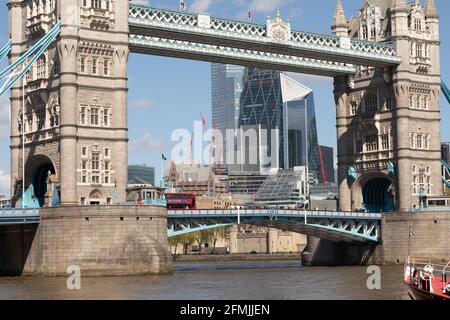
[[388, 120], [75, 120]]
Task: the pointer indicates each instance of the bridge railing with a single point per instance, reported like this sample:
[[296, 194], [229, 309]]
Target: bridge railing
[[18, 211], [274, 212], [144, 14]]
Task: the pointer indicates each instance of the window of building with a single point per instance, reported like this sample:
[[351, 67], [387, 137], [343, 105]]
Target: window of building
[[105, 68], [95, 163], [106, 117], [419, 141], [371, 103], [82, 201], [84, 151], [417, 24], [353, 108], [419, 50], [41, 68], [107, 152], [94, 116], [385, 142], [97, 4], [84, 164], [82, 64], [106, 165], [371, 141], [95, 178], [364, 32], [83, 115], [359, 145], [56, 67], [94, 66], [40, 118]]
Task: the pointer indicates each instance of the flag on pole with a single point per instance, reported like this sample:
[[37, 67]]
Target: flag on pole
[[203, 120], [163, 157], [250, 15], [183, 5]]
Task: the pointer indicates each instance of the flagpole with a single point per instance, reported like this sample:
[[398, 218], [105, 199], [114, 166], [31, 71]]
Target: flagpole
[[23, 142], [161, 180]]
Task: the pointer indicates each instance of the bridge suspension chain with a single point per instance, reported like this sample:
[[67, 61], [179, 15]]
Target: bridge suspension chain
[[446, 173], [445, 91], [5, 50], [22, 65]]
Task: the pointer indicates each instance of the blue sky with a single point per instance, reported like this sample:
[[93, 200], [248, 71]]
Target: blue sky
[[166, 93]]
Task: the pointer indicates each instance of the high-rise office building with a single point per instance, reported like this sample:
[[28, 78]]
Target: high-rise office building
[[445, 150], [226, 85], [326, 155], [273, 102], [141, 172]]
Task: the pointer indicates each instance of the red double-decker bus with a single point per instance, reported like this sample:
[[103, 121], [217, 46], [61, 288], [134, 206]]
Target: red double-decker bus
[[180, 200]]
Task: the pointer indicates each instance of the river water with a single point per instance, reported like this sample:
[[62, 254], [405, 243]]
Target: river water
[[219, 280]]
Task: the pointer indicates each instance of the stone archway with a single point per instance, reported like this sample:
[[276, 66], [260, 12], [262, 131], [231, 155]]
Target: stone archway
[[95, 198], [374, 192], [37, 181], [378, 195]]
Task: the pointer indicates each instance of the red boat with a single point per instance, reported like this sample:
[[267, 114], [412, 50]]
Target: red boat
[[427, 279]]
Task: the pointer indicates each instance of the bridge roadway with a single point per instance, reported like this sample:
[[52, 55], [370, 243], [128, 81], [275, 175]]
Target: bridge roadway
[[334, 226]]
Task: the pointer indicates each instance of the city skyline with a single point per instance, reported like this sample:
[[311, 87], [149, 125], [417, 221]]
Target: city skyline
[[155, 111]]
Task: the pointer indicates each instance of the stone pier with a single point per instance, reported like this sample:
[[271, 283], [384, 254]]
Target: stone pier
[[101, 240], [431, 229]]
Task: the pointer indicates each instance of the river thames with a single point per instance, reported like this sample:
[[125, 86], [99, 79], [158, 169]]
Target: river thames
[[265, 280]]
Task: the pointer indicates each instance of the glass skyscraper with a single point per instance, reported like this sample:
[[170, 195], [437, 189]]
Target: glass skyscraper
[[226, 85], [266, 101], [273, 101]]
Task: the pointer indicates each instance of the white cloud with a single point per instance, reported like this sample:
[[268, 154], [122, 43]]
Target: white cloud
[[4, 117], [147, 143], [141, 2], [143, 104], [4, 183], [201, 6]]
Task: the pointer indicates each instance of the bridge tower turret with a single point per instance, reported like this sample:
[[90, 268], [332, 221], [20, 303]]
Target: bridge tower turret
[[388, 120], [76, 102]]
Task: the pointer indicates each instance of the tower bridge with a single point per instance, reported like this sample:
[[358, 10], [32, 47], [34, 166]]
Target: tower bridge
[[69, 128], [385, 64]]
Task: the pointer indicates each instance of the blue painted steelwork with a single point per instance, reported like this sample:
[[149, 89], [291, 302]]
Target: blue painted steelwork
[[5, 50], [352, 173], [335, 226], [35, 52], [19, 216], [446, 173], [445, 91], [173, 233]]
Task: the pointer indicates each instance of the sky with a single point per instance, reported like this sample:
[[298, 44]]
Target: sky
[[166, 93]]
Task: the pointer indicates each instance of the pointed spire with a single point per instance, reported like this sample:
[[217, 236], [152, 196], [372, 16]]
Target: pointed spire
[[339, 16], [340, 24], [430, 9]]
